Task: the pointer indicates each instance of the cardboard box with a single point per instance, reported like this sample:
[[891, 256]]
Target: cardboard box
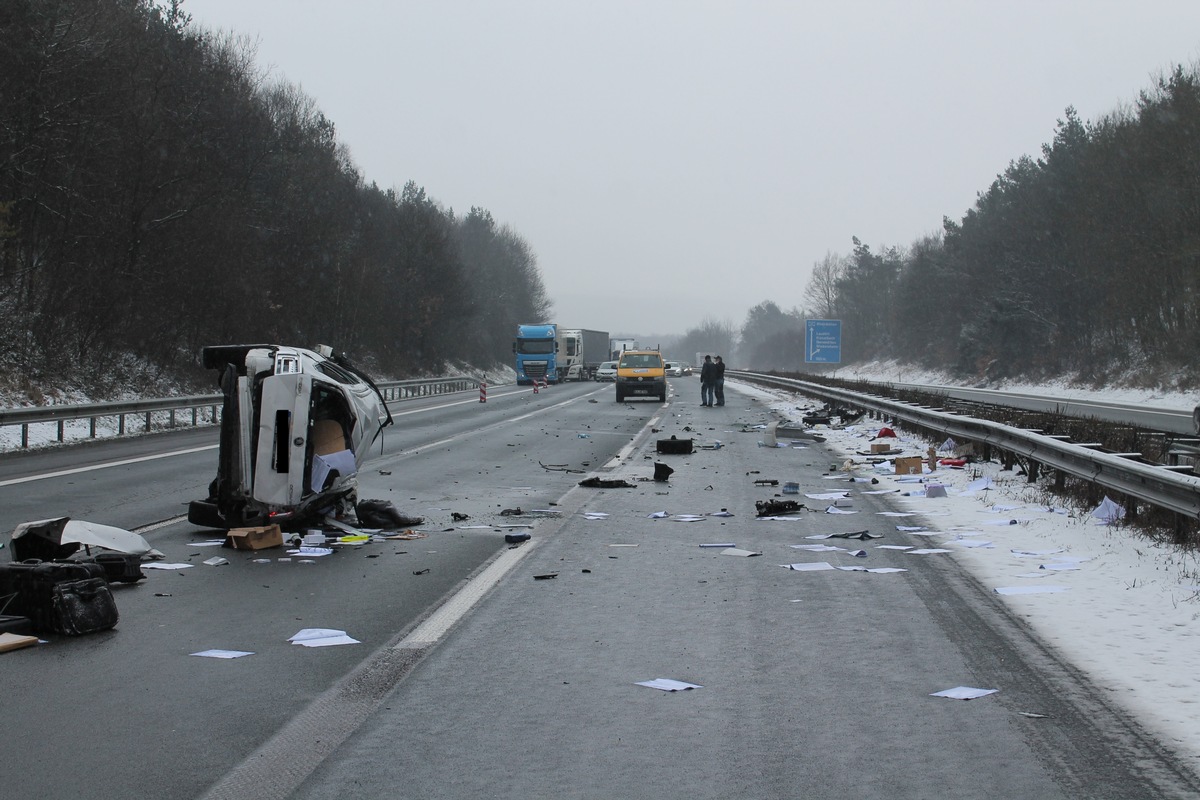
[[328, 437], [255, 538], [876, 447], [910, 465]]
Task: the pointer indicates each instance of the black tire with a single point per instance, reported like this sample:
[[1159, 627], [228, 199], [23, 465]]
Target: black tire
[[620, 397]]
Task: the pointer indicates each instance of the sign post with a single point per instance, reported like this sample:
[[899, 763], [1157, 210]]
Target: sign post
[[823, 341]]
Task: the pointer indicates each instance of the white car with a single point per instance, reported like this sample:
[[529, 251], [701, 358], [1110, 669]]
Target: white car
[[607, 371], [673, 369]]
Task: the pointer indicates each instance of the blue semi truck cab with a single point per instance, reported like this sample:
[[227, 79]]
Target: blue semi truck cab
[[536, 349]]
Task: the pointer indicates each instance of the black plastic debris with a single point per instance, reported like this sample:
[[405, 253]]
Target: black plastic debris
[[766, 482], [773, 508], [675, 446], [545, 577], [516, 538], [605, 483], [662, 472], [512, 512], [457, 517], [862, 536], [383, 514]]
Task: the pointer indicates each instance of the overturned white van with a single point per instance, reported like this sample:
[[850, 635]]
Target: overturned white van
[[296, 426]]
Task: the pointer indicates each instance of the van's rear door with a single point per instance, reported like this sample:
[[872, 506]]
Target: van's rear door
[[282, 433]]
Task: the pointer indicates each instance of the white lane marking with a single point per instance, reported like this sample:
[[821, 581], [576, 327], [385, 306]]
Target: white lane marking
[[106, 465]]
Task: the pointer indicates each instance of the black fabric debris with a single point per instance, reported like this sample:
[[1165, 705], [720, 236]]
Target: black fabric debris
[[603, 483], [383, 514], [773, 508]]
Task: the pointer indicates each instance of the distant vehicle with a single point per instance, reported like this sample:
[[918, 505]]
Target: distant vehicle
[[607, 371], [618, 346], [688, 369], [673, 369], [575, 372], [295, 428], [581, 346], [536, 349], [640, 373]]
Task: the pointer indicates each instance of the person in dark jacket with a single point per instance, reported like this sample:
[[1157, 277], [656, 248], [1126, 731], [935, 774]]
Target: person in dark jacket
[[707, 376], [719, 380]]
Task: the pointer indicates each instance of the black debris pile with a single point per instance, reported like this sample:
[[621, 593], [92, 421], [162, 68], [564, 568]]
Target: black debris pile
[[860, 535], [605, 483], [383, 514], [774, 508], [662, 472]]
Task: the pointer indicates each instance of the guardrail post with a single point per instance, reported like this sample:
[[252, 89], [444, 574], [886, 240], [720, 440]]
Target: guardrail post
[[61, 426], [195, 416], [24, 436], [148, 414], [91, 427], [1032, 471], [172, 419], [121, 425]]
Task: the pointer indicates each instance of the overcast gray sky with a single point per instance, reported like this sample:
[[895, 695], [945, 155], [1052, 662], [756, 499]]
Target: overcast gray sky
[[676, 160]]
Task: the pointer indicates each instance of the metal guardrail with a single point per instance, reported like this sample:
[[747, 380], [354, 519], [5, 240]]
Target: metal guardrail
[[392, 391], [1154, 484]]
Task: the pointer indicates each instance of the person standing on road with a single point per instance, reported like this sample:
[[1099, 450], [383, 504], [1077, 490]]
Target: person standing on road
[[719, 381], [707, 376]]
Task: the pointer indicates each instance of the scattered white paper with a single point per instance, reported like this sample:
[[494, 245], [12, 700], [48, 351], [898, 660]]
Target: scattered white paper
[[1034, 553], [911, 528], [687, 518], [836, 510], [622, 545], [311, 552], [222, 653], [1062, 566], [719, 514], [216, 561], [817, 548], [595, 515], [882, 491], [207, 543], [898, 513], [1030, 589], [322, 637], [893, 547], [778, 519], [658, 515], [164, 565], [828, 495], [925, 551], [964, 693], [972, 543], [669, 685], [816, 566], [735, 551]]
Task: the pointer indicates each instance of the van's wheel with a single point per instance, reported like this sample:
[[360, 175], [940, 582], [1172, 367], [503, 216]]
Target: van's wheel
[[620, 397]]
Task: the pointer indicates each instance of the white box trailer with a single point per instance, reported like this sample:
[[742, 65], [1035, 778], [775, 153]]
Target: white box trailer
[[583, 349]]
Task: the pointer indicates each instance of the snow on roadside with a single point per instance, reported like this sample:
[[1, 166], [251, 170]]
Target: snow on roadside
[[1129, 608]]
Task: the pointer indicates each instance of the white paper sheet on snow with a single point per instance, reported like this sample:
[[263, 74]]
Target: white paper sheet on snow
[[658, 515], [322, 637], [736, 551], [164, 565], [911, 528], [1034, 553], [836, 510], [828, 495], [669, 685], [977, 485], [1030, 589], [222, 653], [687, 518], [816, 566], [595, 515], [1003, 522], [925, 551], [1108, 512], [893, 547], [964, 693], [817, 548]]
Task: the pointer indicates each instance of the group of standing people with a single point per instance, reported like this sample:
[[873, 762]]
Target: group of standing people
[[712, 382]]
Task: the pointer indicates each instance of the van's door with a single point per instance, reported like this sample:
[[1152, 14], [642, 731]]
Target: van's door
[[282, 434]]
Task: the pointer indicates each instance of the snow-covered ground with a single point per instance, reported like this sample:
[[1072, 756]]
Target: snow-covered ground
[[1122, 608]]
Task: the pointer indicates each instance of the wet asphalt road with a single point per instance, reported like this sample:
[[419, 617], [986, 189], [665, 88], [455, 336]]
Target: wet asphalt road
[[813, 684]]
